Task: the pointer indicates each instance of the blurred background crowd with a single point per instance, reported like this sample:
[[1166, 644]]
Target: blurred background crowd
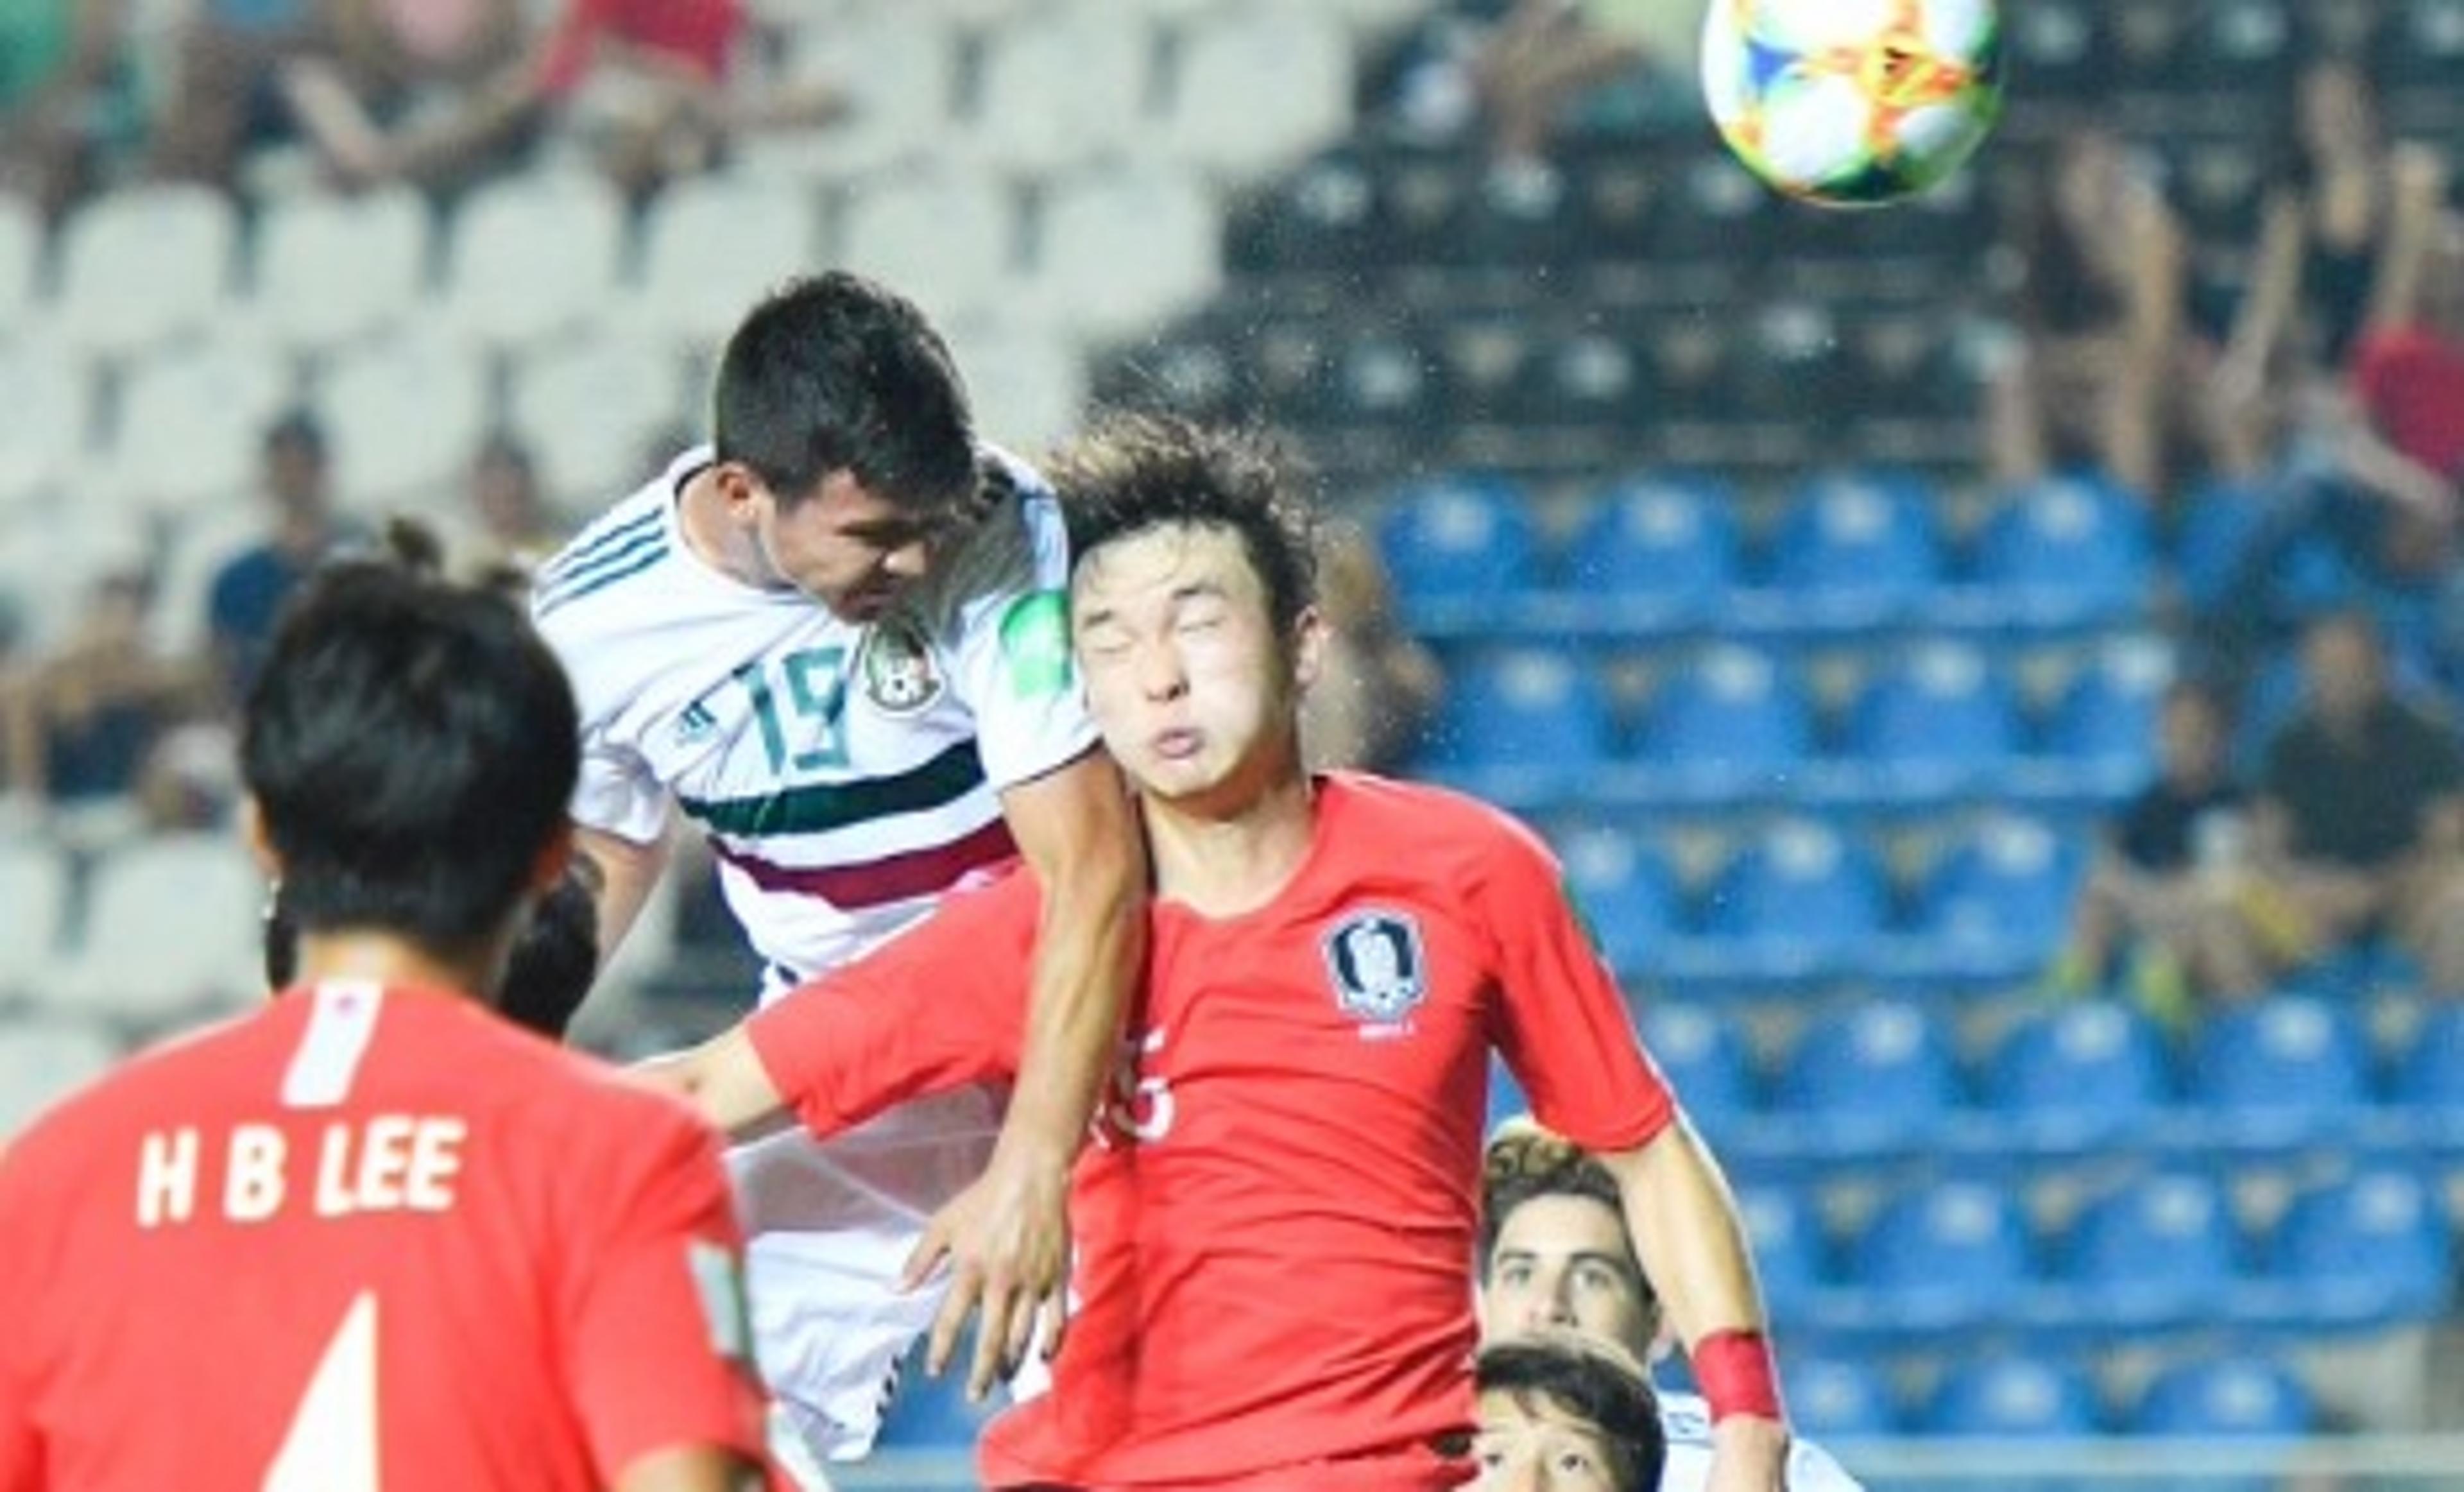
[[1990, 665]]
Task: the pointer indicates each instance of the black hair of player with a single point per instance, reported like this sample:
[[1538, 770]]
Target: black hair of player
[[411, 745], [1131, 472], [1590, 1382], [839, 373]]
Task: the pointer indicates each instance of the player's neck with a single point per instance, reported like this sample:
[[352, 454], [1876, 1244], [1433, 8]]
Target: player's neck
[[389, 959], [701, 519], [1227, 864]]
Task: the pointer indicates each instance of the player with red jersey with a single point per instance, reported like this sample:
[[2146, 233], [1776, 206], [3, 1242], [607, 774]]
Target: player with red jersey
[[374, 1235], [1276, 1219]]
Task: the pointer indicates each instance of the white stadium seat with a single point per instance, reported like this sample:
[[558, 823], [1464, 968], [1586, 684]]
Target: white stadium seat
[[1058, 90], [143, 265], [530, 256], [1258, 85], [191, 422], [43, 1059], [21, 259], [588, 408], [1027, 382], [945, 238], [404, 414], [713, 245], [49, 392], [897, 65], [34, 888], [329, 268], [1120, 251], [173, 926]]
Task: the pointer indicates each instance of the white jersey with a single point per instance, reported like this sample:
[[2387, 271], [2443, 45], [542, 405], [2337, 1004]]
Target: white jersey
[[1687, 1420], [846, 775]]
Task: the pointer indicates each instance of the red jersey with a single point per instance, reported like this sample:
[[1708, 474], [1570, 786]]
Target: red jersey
[[697, 33], [366, 1238], [2411, 381], [1276, 1217]]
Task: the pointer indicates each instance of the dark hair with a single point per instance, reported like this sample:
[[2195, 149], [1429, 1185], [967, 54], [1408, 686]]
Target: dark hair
[[1586, 1380], [297, 429], [1525, 1161], [838, 373], [1133, 472], [411, 745]]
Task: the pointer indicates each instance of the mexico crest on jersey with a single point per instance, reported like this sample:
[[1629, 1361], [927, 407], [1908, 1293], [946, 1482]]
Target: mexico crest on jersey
[[897, 668], [1376, 964]]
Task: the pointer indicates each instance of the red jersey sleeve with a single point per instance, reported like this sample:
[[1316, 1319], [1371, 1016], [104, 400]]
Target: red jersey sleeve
[[661, 1354], [939, 1006], [21, 1450], [1562, 1023]]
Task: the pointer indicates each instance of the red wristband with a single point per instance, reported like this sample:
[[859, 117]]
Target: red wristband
[[1733, 1369]]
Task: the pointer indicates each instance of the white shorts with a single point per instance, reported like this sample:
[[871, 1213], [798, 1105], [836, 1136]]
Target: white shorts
[[829, 1227]]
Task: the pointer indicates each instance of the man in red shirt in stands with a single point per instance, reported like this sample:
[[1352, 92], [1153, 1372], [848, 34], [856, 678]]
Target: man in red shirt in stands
[[1276, 1218], [374, 1235]]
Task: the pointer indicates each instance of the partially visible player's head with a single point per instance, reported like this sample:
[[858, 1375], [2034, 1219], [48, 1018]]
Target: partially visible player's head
[[844, 445], [1555, 1253], [408, 751], [1192, 601], [1561, 1411]]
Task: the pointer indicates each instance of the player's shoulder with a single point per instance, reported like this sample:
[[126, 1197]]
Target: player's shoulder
[[1449, 827], [632, 539]]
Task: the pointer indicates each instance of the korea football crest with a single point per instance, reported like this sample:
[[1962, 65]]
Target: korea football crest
[[1377, 966], [896, 668]]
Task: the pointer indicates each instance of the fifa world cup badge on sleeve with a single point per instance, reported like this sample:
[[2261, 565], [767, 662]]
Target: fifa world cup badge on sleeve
[[1035, 645]]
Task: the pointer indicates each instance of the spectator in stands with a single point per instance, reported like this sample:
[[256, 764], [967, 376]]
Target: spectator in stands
[[1560, 1412], [221, 94], [2325, 235], [1544, 56], [2101, 289], [59, 94], [2162, 876], [78, 725], [402, 90], [249, 589], [1377, 686], [514, 525], [2360, 814]]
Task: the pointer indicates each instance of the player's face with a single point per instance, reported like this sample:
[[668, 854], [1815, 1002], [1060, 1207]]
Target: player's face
[[1194, 690], [1528, 1444], [1562, 1261], [845, 545]]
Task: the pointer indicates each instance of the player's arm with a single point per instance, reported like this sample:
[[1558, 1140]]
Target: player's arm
[[628, 872], [722, 1079], [1006, 1236]]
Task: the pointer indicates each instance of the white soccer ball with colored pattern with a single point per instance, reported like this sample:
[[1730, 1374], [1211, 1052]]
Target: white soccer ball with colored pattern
[[1853, 102]]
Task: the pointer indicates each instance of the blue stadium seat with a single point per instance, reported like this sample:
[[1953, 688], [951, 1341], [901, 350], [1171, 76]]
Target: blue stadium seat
[[1728, 722], [1785, 1231], [1999, 903], [2103, 723], [2371, 1249], [2065, 552], [1460, 540], [1873, 1075], [1800, 898], [1526, 709], [2213, 540], [2079, 1075], [1935, 722], [1942, 1256], [2428, 1076], [1661, 548], [2155, 1253], [2009, 1396], [1852, 550], [1704, 1057], [2216, 1398], [2058, 50], [1626, 891], [2278, 1070], [1836, 1399]]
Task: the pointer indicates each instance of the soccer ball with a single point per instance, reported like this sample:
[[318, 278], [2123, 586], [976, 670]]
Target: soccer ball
[[1853, 102]]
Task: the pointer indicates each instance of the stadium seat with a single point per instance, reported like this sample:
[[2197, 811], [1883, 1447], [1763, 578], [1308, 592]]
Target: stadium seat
[[2239, 54], [171, 926], [2278, 1070], [404, 414], [2157, 1252], [1325, 215], [2103, 729], [946, 237], [1235, 56], [43, 1059], [713, 245], [1718, 222], [1852, 550], [1799, 898], [1704, 1057], [1491, 363], [2420, 48], [1526, 708], [1591, 379], [1936, 721], [35, 888], [1061, 88], [1025, 381], [1784, 1229], [1942, 1255], [2429, 1073], [1835, 1399], [1871, 1075], [49, 392], [1121, 250], [2064, 552], [2079, 1075], [191, 422], [533, 255], [1379, 378], [1997, 904], [1789, 368], [21, 259], [589, 407], [1727, 721], [2214, 1397], [2011, 1395], [2058, 48], [143, 265], [329, 268], [1458, 541], [2364, 1251], [1625, 890], [898, 64]]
